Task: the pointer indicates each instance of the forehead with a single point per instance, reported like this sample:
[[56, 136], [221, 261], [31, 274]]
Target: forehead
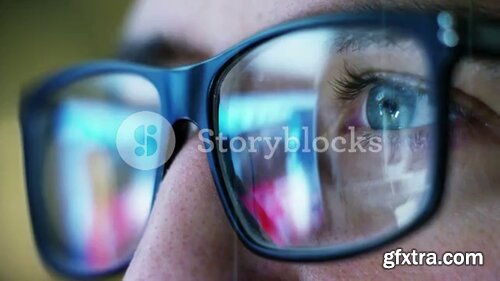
[[213, 26], [208, 25]]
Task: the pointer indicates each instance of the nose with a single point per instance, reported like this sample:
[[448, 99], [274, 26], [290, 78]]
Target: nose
[[188, 236]]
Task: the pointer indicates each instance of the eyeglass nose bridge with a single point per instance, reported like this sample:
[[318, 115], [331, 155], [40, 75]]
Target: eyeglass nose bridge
[[187, 95], [190, 91], [188, 100]]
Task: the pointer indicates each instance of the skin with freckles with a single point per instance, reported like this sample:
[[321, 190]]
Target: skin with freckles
[[188, 236]]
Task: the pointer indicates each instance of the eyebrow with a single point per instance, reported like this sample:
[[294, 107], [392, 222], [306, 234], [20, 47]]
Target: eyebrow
[[161, 51], [359, 39], [461, 8]]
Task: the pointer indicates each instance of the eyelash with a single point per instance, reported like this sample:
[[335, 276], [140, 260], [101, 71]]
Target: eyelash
[[349, 85]]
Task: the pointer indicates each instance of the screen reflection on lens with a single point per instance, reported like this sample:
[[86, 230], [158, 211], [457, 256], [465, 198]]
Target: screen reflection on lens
[[95, 205], [345, 126]]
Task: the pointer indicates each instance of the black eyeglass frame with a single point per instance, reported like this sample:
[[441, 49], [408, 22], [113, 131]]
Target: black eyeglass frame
[[192, 93]]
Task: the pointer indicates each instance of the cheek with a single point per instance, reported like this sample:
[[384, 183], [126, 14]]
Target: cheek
[[468, 219], [473, 193], [473, 178]]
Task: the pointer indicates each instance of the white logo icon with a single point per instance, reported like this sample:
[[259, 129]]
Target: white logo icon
[[145, 140]]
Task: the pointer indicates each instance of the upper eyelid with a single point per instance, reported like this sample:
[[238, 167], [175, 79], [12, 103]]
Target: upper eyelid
[[412, 80]]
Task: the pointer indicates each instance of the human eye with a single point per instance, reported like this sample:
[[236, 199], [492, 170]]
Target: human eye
[[385, 101], [386, 107], [390, 100]]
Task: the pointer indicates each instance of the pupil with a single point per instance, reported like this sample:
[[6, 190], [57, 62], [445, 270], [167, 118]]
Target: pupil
[[390, 107]]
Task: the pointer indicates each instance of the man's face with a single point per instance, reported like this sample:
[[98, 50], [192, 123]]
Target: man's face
[[188, 236]]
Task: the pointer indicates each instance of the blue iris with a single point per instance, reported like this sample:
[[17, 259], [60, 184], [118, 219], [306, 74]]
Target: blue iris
[[392, 106]]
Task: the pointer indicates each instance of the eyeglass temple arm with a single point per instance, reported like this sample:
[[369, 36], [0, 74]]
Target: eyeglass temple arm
[[484, 38]]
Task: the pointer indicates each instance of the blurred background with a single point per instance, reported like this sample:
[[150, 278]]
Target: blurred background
[[36, 38]]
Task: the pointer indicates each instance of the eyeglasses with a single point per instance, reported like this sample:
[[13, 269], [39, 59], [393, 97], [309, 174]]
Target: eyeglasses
[[326, 137]]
